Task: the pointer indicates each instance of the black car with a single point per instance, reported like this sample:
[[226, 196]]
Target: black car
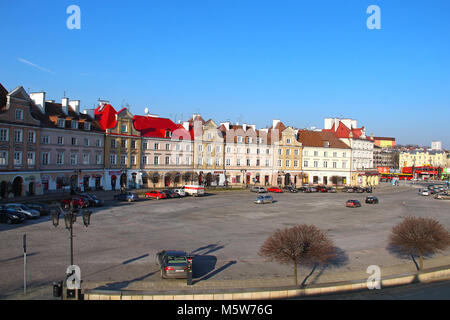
[[358, 189], [11, 216], [348, 189], [291, 189], [173, 264], [92, 199], [171, 193], [368, 189], [43, 208], [372, 200], [304, 189]]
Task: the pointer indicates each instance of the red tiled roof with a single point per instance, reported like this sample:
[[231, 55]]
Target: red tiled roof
[[343, 131], [155, 127], [106, 116]]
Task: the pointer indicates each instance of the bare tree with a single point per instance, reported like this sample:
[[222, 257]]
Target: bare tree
[[301, 244], [419, 236]]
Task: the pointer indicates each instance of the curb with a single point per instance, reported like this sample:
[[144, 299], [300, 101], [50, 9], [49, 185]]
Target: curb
[[429, 275]]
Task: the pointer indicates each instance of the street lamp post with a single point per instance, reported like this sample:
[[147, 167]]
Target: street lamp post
[[70, 218]]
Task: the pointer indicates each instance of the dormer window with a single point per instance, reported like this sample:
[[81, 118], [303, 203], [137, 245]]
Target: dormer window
[[326, 144], [87, 126], [168, 134], [124, 128], [74, 124], [19, 114], [61, 123], [288, 141]]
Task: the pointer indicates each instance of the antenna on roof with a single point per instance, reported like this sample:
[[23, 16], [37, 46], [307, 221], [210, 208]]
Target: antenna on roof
[[146, 111]]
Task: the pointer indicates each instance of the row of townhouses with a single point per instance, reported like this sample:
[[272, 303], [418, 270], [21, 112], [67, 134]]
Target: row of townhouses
[[47, 146]]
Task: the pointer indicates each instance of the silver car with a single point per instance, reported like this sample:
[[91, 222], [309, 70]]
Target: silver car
[[258, 189], [264, 199], [27, 212]]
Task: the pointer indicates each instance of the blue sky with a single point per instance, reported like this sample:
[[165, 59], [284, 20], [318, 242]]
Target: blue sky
[[242, 60]]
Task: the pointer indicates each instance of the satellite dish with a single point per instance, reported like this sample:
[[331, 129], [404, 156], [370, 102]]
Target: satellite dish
[[146, 110]]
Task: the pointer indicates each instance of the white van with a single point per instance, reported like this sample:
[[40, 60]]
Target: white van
[[194, 190]]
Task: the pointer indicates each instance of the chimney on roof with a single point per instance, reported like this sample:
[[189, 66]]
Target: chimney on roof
[[65, 105], [90, 112], [186, 125], [75, 105], [244, 126], [275, 122], [39, 100], [253, 126], [226, 125]]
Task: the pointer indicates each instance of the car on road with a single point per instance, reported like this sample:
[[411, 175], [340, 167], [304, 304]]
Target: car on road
[[358, 189], [126, 196], [180, 192], [368, 189], [291, 189], [263, 199], [424, 192], [442, 196], [156, 194], [194, 190], [331, 189], [43, 208], [353, 204], [258, 189], [348, 189], [93, 200], [304, 189], [372, 200], [313, 189], [77, 202], [322, 189], [274, 189], [171, 193], [173, 264], [9, 216], [27, 212]]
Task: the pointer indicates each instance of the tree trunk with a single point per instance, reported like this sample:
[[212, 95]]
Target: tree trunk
[[420, 260], [295, 273]]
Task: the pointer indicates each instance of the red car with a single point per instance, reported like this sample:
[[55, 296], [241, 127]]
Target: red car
[[156, 195], [274, 189], [77, 201], [353, 204], [322, 189]]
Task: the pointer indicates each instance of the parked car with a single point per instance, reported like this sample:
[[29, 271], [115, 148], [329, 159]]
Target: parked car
[[274, 189], [313, 189], [304, 189], [368, 189], [442, 196], [372, 200], [264, 199], [93, 200], [348, 189], [180, 192], [173, 264], [9, 215], [331, 189], [156, 194], [43, 208], [171, 193], [194, 190], [353, 204], [322, 189], [424, 192], [358, 189], [291, 189], [126, 196], [258, 189], [77, 202], [27, 212]]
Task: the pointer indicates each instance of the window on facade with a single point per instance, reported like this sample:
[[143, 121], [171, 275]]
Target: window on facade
[[123, 159], [60, 158], [168, 134], [113, 143], [279, 163], [248, 163], [199, 161], [188, 147], [45, 140], [334, 165], [288, 141], [208, 161], [18, 158], [296, 163], [167, 160], [156, 146], [316, 153], [208, 148], [156, 160], [113, 159], [19, 114], [257, 151], [98, 159], [288, 152], [305, 164], [4, 134], [31, 158], [258, 162], [296, 152], [238, 162], [228, 149], [228, 162], [74, 124], [18, 135], [267, 151], [73, 158], [217, 162], [31, 137], [267, 163], [325, 164], [124, 128], [98, 143], [3, 158], [86, 142], [144, 160], [316, 164], [87, 126], [344, 164], [133, 144], [288, 163], [45, 158], [167, 146], [248, 150], [86, 158], [334, 154], [133, 160], [144, 145], [188, 161], [239, 139], [177, 147], [177, 160], [217, 149], [123, 143], [280, 152], [74, 141], [61, 123]]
